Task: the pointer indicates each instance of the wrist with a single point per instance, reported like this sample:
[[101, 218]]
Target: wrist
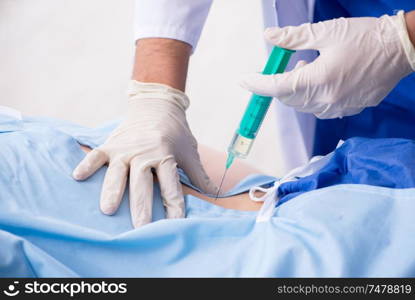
[[139, 91], [159, 60], [410, 25]]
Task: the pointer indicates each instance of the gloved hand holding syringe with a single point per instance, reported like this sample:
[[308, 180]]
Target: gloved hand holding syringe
[[255, 112]]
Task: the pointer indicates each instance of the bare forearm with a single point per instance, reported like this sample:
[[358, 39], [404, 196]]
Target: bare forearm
[[410, 23], [162, 61]]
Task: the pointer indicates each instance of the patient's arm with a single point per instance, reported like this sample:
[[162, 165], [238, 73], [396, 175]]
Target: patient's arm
[[214, 163]]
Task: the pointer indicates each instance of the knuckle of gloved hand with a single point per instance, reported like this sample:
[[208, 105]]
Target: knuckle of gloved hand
[[168, 162], [324, 78], [160, 137], [109, 148], [97, 153], [325, 101]]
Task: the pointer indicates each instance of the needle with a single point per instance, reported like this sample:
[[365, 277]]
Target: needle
[[221, 182], [229, 162]]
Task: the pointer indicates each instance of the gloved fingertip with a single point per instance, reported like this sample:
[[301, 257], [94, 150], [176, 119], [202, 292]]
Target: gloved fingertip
[[77, 174], [300, 63], [175, 214], [211, 188], [108, 207], [258, 84], [249, 80], [107, 210], [271, 33], [139, 222], [268, 31]]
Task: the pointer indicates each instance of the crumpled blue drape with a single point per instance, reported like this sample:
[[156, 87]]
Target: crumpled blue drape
[[50, 225], [379, 162]]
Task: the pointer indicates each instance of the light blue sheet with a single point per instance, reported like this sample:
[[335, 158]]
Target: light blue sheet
[[51, 225]]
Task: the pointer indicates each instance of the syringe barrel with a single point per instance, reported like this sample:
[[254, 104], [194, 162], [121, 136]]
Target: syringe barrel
[[258, 105], [240, 146], [254, 116]]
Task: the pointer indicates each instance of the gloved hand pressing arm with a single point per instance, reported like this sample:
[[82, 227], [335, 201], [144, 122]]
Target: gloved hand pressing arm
[[155, 135], [361, 60]]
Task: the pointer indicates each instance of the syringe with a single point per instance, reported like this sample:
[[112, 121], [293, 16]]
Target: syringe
[[255, 112]]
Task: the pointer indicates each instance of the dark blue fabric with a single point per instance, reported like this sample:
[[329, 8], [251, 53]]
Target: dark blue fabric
[[378, 162], [395, 116]]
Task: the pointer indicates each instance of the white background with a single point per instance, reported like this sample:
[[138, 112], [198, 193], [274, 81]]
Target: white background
[[73, 59]]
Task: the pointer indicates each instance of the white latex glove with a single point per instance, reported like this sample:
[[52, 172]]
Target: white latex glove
[[361, 60], [156, 136]]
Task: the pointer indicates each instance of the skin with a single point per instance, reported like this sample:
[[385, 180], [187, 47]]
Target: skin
[[215, 171], [163, 61], [410, 24]]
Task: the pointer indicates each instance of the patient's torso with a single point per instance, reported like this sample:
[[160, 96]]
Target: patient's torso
[[51, 225]]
